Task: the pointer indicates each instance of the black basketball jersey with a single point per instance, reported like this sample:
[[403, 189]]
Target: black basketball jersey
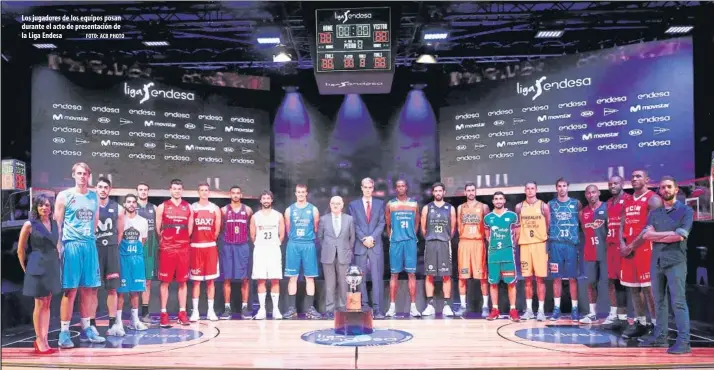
[[107, 233], [438, 222]]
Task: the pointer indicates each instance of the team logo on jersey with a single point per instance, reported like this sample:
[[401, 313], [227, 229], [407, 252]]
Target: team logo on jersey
[[470, 218], [595, 224]]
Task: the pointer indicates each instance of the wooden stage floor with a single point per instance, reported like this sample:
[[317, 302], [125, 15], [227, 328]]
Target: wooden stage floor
[[397, 344]]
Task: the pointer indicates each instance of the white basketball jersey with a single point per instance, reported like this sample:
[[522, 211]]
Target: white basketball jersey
[[266, 227]]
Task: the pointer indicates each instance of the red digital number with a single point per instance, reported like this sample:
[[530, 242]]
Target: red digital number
[[328, 64], [381, 36], [325, 38], [349, 63], [380, 62], [362, 62]]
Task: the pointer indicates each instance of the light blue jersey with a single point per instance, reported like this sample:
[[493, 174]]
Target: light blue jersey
[[564, 223], [302, 223], [79, 216]]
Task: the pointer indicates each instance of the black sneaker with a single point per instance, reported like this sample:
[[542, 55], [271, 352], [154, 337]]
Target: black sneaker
[[313, 314], [652, 341], [635, 330], [615, 325], [290, 313], [227, 314], [246, 312], [679, 348]]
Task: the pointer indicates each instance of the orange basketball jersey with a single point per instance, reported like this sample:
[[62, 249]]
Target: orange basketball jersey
[[471, 226]]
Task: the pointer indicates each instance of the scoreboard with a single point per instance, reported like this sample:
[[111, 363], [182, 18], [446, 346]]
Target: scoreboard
[[353, 40]]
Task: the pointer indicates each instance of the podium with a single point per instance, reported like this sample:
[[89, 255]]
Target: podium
[[353, 322]]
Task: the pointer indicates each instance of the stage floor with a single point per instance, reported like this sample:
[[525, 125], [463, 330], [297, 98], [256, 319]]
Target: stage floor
[[395, 344]]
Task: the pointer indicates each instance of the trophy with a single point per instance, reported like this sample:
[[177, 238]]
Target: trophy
[[354, 296], [353, 320]]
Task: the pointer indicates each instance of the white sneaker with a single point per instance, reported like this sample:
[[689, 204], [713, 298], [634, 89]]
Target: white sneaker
[[194, 316], [260, 315], [588, 319], [211, 316], [528, 315], [447, 312], [610, 319], [277, 315], [392, 311], [117, 330], [429, 311], [540, 316], [138, 326], [414, 312]]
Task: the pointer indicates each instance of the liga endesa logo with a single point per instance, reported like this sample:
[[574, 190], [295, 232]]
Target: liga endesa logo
[[346, 15], [540, 86], [148, 92]]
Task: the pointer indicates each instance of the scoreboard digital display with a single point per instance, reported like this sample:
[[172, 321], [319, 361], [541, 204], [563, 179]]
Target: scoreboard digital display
[[353, 40]]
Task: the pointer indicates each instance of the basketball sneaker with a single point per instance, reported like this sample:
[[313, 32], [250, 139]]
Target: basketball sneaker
[[574, 315], [138, 326], [91, 335], [194, 316], [461, 311], [211, 315], [493, 315], [260, 315], [65, 339], [147, 319], [513, 315], [635, 330], [484, 312], [164, 320], [528, 315], [588, 319], [292, 312], [392, 311], [556, 314], [227, 314], [117, 330], [446, 311], [246, 312], [429, 311], [313, 314], [540, 316], [183, 318], [414, 311], [276, 314]]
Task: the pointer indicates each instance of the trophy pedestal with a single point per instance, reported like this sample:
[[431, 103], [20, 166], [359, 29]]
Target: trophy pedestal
[[353, 322]]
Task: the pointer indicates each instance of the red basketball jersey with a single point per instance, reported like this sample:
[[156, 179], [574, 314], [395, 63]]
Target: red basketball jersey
[[614, 214], [636, 212], [236, 229], [204, 225], [174, 225]]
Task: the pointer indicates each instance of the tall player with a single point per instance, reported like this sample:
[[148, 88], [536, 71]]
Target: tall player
[[564, 235], [617, 319], [111, 220], [148, 212], [174, 220], [472, 254], [534, 219], [637, 252], [438, 223], [400, 214], [235, 253], [593, 220], [267, 230], [501, 227], [204, 251], [302, 221], [76, 213], [134, 234]]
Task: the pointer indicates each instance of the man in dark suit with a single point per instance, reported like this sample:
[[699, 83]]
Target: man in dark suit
[[336, 234], [368, 216]]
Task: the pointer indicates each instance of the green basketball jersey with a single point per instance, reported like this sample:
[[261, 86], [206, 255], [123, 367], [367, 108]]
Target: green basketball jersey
[[500, 229]]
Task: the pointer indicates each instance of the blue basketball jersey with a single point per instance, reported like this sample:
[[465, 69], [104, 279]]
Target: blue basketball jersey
[[79, 214], [135, 229], [402, 217], [564, 223], [302, 223]]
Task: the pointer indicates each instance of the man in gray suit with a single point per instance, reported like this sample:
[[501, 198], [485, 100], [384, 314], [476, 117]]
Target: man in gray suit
[[336, 233], [368, 215]]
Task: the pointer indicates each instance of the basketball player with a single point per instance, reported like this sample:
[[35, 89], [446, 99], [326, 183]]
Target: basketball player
[[472, 255], [534, 218], [148, 212], [637, 252], [501, 226], [593, 220], [401, 213], [204, 251], [267, 230], [134, 235], [111, 220], [564, 235], [235, 253], [438, 223], [174, 220], [76, 213], [302, 221], [617, 319]]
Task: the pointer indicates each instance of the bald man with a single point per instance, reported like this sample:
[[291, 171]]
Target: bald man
[[336, 233]]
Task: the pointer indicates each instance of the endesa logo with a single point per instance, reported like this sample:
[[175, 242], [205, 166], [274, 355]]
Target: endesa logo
[[466, 116], [242, 140], [500, 134], [242, 120], [500, 155], [538, 130], [105, 155], [142, 112], [105, 132], [612, 147], [242, 161], [573, 127], [535, 153], [653, 95], [148, 91], [612, 123], [638, 107], [468, 137], [210, 117], [210, 138], [142, 156], [468, 158], [654, 143], [540, 86], [573, 149], [544, 117], [106, 110], [66, 106], [463, 126], [500, 112], [177, 115], [536, 108], [347, 15], [73, 153], [611, 99], [654, 119], [67, 130], [210, 160], [177, 137], [180, 158], [573, 104], [142, 134]]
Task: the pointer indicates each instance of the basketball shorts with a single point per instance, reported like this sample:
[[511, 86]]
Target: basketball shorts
[[80, 265], [635, 268], [534, 260], [133, 277], [109, 265], [299, 254], [403, 256], [472, 259], [613, 261], [235, 261], [268, 262], [502, 266], [174, 264], [203, 263], [437, 258], [563, 261], [593, 271], [150, 251]]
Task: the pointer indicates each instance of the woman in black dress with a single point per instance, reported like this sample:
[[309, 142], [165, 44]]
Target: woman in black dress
[[42, 270]]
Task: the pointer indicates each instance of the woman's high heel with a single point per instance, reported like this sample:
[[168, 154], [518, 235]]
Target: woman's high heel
[[47, 352]]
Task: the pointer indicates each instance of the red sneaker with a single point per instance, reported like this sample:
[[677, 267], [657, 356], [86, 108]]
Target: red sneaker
[[164, 322], [513, 315], [494, 314], [183, 318]]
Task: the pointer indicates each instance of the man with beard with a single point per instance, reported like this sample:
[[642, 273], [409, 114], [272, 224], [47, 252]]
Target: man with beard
[[134, 235], [534, 218], [235, 253], [617, 319], [267, 230], [204, 251], [438, 223], [148, 212], [400, 215], [472, 254], [501, 227], [564, 236], [668, 228], [636, 252], [593, 220], [111, 220], [174, 220]]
